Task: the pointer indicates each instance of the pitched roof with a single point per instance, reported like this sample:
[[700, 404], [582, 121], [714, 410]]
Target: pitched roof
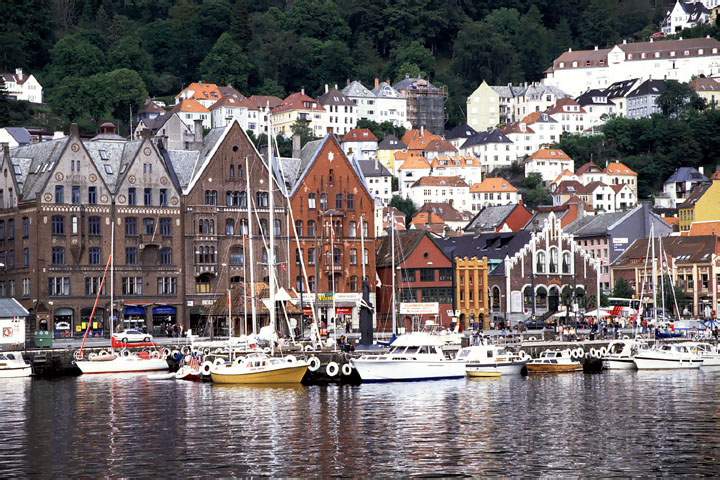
[[484, 138], [494, 246], [549, 154], [417, 139], [588, 167], [204, 91], [14, 77], [445, 211], [516, 127], [230, 102], [151, 106], [592, 186], [538, 117], [560, 105], [357, 89], [190, 105], [682, 250], [695, 194], [490, 218], [621, 88], [440, 181], [461, 131], [11, 308], [257, 102], [230, 91], [649, 87], [440, 145], [594, 97], [385, 90], [427, 217], [391, 142], [372, 168], [335, 97], [704, 228], [298, 101], [594, 225], [20, 134], [569, 187], [687, 174], [619, 168], [415, 84], [460, 161], [405, 244], [705, 84], [411, 161], [493, 184], [359, 135]]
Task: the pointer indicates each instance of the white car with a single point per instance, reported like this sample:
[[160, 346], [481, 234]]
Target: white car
[[132, 335]]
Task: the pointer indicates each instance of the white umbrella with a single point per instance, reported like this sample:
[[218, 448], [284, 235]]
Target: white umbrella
[[597, 313]]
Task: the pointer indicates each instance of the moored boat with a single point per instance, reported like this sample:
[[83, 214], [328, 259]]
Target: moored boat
[[709, 354], [126, 362], [491, 361], [668, 356], [12, 365], [620, 355], [259, 368], [554, 361], [412, 357]]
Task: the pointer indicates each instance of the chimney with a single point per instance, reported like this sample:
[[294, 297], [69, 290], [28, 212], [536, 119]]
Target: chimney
[[74, 130], [326, 88], [296, 146], [145, 133], [19, 73], [198, 131], [5, 149], [302, 90], [624, 41], [422, 130], [377, 82], [596, 47], [570, 49], [701, 170]]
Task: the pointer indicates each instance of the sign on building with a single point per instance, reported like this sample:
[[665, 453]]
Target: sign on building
[[12, 331], [419, 308]]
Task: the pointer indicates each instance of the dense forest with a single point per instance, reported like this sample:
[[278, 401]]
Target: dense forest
[[98, 58]]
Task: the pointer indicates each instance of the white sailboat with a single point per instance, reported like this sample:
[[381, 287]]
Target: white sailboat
[[111, 362]]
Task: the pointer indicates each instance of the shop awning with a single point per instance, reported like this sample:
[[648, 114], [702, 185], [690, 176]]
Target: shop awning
[[164, 310], [134, 310]]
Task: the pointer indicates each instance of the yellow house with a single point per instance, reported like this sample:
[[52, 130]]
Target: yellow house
[[471, 290], [707, 207], [483, 108], [707, 89], [386, 152]]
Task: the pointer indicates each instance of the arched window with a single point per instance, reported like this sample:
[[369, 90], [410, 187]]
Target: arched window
[[299, 227], [541, 298], [566, 262], [366, 256], [244, 226], [278, 227], [540, 264], [263, 227], [364, 227], [242, 199], [261, 199], [527, 298], [210, 197], [496, 299], [229, 226], [353, 256], [352, 230], [553, 260]]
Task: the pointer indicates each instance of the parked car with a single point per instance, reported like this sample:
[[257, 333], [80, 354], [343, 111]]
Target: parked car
[[530, 325], [132, 335]]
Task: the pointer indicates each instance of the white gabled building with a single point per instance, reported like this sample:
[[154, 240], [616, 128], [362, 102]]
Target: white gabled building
[[598, 107], [569, 114], [493, 149], [412, 168], [390, 105], [360, 144], [491, 192], [377, 178], [453, 190], [340, 111], [550, 163], [21, 86], [685, 15]]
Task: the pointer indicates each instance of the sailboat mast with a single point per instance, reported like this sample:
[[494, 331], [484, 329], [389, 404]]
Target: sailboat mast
[[392, 255], [248, 201], [271, 204], [362, 246], [112, 280], [332, 272], [662, 273], [654, 272]]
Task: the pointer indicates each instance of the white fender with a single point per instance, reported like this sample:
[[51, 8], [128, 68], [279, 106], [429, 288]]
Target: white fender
[[206, 367], [314, 364], [332, 369], [346, 369]]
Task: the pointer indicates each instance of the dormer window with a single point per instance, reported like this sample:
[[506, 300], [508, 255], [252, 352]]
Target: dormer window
[[562, 64], [642, 55], [574, 64], [672, 54], [700, 51], [657, 54]]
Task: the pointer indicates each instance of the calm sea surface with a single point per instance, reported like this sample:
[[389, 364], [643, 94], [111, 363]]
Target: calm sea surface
[[610, 424]]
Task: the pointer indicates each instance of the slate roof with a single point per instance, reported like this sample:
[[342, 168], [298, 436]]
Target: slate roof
[[682, 250], [461, 131], [415, 84], [385, 90], [445, 211], [596, 225], [686, 174], [509, 91], [483, 138], [182, 163], [391, 142], [20, 134], [490, 218], [335, 97], [372, 168], [10, 308], [39, 159], [494, 246], [649, 87], [357, 89], [620, 89], [589, 98]]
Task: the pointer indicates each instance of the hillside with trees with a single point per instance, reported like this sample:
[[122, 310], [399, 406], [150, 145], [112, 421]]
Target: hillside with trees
[[99, 58]]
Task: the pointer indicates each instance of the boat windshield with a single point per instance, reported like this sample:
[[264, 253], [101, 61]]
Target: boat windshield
[[412, 350]]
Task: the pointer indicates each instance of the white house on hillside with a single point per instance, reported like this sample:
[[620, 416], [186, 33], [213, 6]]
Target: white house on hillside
[[549, 163], [21, 86], [453, 190], [685, 15]]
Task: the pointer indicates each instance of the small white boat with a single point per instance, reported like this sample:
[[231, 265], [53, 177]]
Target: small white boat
[[12, 365], [668, 356], [709, 354], [620, 355], [161, 376], [126, 362], [412, 357], [554, 361], [491, 361]]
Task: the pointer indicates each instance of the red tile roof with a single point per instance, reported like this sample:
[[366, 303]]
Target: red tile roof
[[298, 101], [360, 135], [493, 184], [550, 154], [452, 181], [618, 168]]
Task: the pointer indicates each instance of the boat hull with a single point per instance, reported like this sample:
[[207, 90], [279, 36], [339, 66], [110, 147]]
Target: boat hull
[[554, 368], [291, 374], [407, 370], [651, 363], [122, 365], [16, 372], [494, 369], [625, 363], [188, 374]]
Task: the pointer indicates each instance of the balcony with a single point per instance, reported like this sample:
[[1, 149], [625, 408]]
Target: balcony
[[200, 269]]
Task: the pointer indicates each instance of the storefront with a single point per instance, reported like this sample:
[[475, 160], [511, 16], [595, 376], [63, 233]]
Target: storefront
[[97, 327], [134, 317], [163, 320], [64, 323]]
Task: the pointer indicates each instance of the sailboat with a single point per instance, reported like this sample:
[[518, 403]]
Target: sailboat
[[260, 368], [111, 362]]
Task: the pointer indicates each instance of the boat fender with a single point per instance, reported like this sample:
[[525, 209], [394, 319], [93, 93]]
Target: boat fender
[[238, 361], [603, 351], [187, 359], [206, 351], [309, 348], [92, 356], [573, 355], [165, 352], [185, 350], [218, 362], [346, 369], [587, 355], [266, 350], [125, 352], [594, 353], [332, 369], [78, 355], [532, 339], [625, 337], [155, 354], [291, 359], [206, 367], [177, 356], [314, 364], [522, 354], [102, 353], [581, 352]]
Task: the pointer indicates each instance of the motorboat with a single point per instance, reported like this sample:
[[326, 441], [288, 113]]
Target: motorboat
[[491, 361], [125, 362], [259, 368], [668, 356], [620, 355], [12, 365], [709, 354], [554, 361], [413, 356]]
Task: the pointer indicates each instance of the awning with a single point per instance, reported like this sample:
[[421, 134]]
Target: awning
[[134, 310], [164, 310], [64, 312]]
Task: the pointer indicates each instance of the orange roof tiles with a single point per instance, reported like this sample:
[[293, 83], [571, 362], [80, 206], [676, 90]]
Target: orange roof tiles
[[493, 184], [550, 154], [360, 135], [204, 91], [190, 105], [618, 168], [426, 217], [417, 140], [440, 145], [411, 161], [704, 228], [298, 101], [445, 161]]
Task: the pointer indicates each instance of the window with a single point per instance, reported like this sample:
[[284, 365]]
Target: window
[[59, 194], [132, 285], [350, 201], [237, 256], [25, 227], [74, 224], [446, 274], [427, 274], [58, 256], [232, 171], [311, 201], [149, 226], [163, 197], [92, 195], [339, 201], [92, 285], [354, 283], [278, 228], [94, 226], [147, 196], [147, 168], [364, 227], [58, 225], [131, 226], [131, 255], [408, 275], [262, 200], [353, 256], [165, 226], [59, 286], [229, 226], [75, 194], [94, 256], [11, 229], [166, 256], [312, 228], [132, 196], [553, 260], [167, 285], [205, 254], [244, 228], [263, 227], [323, 201], [366, 256], [540, 266], [352, 229], [299, 227], [26, 257], [202, 284], [311, 256], [26, 287], [210, 197], [311, 283]]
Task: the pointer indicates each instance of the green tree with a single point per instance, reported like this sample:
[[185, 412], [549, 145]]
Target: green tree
[[5, 105], [534, 192], [272, 88], [125, 89], [226, 63], [679, 99], [74, 55], [622, 289], [412, 56], [406, 206], [381, 130], [302, 128]]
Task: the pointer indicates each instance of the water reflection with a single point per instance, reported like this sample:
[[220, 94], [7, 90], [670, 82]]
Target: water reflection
[[616, 423]]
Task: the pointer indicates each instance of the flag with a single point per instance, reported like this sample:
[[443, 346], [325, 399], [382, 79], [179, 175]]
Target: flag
[[378, 283]]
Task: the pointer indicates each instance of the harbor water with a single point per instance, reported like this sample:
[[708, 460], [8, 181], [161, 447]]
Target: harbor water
[[609, 424]]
